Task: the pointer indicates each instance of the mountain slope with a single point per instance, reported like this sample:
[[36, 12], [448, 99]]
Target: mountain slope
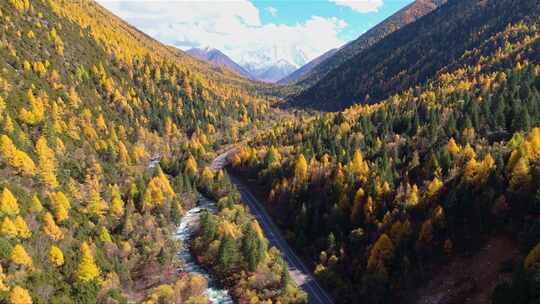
[[87, 105], [380, 196], [218, 59], [400, 19], [415, 53], [307, 68]]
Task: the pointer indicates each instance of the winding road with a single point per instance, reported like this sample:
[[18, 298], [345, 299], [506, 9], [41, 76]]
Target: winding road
[[299, 272]]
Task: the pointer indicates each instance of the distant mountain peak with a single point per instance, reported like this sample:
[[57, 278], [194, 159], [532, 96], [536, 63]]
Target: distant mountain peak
[[219, 59], [284, 63], [305, 69]]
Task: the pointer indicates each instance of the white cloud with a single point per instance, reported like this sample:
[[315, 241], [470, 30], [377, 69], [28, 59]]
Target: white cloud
[[361, 6], [272, 10], [234, 27]]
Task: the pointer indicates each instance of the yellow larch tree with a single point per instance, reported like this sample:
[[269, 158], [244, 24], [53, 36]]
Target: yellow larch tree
[[487, 165], [19, 256], [520, 175], [100, 123], [468, 152], [412, 196], [51, 229], [369, 210], [35, 205], [534, 139], [165, 184], [433, 187], [104, 235], [8, 228], [470, 171], [117, 204], [56, 257], [358, 166], [17, 159], [533, 258], [22, 228], [157, 191], [452, 147], [88, 269], [9, 127], [381, 254], [61, 206], [19, 295], [20, 5], [96, 205], [191, 166], [36, 113], [3, 286], [46, 164], [123, 154], [301, 169], [207, 176], [8, 203]]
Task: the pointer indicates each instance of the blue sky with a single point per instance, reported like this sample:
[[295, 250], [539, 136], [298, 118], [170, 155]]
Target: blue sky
[[256, 32], [293, 12]]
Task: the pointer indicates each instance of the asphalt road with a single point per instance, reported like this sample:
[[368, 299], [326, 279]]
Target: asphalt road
[[299, 272]]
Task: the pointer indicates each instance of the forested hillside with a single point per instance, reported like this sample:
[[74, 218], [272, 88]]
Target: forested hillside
[[415, 53], [87, 106], [307, 78], [375, 195]]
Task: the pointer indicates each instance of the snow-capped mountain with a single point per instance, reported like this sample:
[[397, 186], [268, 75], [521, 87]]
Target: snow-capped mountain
[[305, 69], [271, 64], [271, 56], [273, 72], [265, 64]]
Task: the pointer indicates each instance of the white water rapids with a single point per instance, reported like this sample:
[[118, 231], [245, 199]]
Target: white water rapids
[[184, 233]]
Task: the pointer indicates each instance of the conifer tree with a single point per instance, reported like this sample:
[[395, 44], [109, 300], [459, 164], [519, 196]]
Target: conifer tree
[[520, 177], [96, 205], [61, 206], [88, 270], [56, 256], [19, 295], [35, 205], [19, 160], [453, 147], [22, 228], [207, 176], [117, 204], [8, 229], [50, 228], [433, 187], [191, 167], [19, 256], [47, 163], [104, 235], [208, 227], [301, 169], [250, 247], [381, 254], [227, 255], [3, 286], [358, 166], [8, 203]]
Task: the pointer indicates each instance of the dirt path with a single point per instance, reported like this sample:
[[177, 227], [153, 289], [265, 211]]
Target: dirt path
[[469, 279]]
